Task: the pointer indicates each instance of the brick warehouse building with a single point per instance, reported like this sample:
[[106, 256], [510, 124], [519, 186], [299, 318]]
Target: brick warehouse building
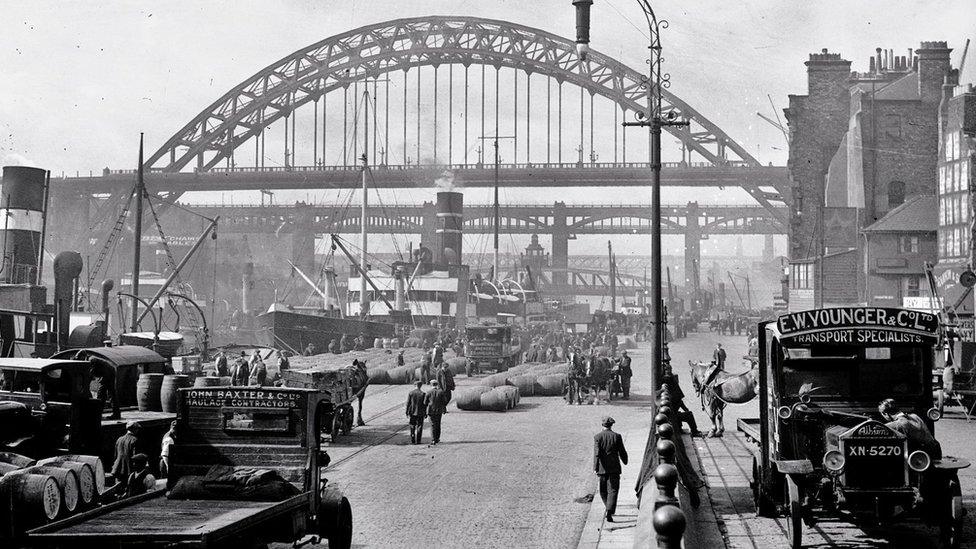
[[861, 145]]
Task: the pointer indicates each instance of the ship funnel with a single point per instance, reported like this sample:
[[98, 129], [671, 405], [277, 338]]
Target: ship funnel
[[450, 219], [400, 282], [22, 205]]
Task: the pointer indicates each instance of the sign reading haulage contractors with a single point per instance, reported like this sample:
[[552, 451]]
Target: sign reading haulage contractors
[[242, 398], [858, 326]]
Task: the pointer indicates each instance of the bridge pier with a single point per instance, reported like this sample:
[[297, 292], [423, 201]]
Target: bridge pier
[[692, 256], [560, 247]]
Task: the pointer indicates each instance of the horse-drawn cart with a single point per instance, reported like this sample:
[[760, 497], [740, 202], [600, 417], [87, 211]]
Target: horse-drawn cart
[[341, 387]]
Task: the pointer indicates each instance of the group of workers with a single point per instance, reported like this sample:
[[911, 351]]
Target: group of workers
[[250, 371], [433, 403]]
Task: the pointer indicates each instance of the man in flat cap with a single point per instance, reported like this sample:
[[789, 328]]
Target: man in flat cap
[[608, 454], [140, 479], [436, 406], [125, 448]]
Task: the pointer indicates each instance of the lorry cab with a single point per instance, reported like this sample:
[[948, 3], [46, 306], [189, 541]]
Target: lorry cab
[[491, 346], [822, 441]]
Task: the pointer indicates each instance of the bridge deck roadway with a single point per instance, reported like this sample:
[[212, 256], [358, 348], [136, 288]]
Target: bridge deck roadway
[[510, 175]]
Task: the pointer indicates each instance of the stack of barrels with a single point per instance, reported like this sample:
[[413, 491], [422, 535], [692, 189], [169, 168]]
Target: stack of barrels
[[158, 392], [33, 493], [502, 391]]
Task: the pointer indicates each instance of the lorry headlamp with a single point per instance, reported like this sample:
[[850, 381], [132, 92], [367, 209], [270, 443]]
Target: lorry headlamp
[[834, 461], [919, 461], [934, 414], [784, 412]]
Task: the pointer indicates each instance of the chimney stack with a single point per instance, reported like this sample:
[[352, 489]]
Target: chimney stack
[[450, 220], [877, 59]]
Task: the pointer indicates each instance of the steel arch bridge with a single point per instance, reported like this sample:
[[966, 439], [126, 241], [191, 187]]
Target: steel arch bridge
[[336, 63]]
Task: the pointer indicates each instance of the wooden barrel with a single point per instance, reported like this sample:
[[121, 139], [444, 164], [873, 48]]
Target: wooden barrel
[[169, 391], [16, 459], [378, 376], [67, 481], [525, 384], [147, 392], [36, 498], [90, 471], [469, 398], [401, 375], [208, 381], [495, 401], [550, 385]]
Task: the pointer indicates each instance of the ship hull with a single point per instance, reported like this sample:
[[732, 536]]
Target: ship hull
[[293, 331]]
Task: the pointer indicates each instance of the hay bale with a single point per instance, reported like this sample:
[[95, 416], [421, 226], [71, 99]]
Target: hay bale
[[525, 384], [378, 376], [551, 385], [495, 401], [469, 398]]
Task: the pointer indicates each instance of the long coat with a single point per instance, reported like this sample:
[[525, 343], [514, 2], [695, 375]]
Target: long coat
[[416, 403], [436, 402], [608, 452]]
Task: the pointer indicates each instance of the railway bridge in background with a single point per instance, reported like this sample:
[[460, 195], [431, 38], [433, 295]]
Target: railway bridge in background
[[417, 97]]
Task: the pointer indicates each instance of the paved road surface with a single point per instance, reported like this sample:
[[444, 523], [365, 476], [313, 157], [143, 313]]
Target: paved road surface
[[728, 462], [496, 479]]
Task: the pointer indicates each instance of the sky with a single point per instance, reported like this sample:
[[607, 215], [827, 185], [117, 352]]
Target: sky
[[80, 80]]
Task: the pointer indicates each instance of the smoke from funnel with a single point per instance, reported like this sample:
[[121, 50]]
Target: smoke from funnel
[[445, 182]]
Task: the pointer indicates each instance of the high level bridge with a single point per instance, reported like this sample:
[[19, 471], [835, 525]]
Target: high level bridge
[[417, 97]]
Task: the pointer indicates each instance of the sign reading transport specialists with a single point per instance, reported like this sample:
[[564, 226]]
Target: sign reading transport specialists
[[242, 398], [858, 326]]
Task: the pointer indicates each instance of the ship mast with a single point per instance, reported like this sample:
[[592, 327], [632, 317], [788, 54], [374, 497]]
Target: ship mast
[[137, 239]]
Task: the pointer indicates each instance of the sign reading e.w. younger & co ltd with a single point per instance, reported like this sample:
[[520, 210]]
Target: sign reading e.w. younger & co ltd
[[858, 326]]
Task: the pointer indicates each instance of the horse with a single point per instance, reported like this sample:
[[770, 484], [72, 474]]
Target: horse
[[716, 388], [598, 376]]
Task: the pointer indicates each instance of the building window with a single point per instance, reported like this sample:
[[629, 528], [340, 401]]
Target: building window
[[908, 244], [896, 194], [913, 286], [892, 126], [801, 278]]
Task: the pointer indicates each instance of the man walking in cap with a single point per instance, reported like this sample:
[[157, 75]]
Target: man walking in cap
[[416, 411], [436, 406], [608, 454], [125, 448]]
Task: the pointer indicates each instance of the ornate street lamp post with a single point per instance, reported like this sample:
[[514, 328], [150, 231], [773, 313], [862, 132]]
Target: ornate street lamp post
[[655, 119]]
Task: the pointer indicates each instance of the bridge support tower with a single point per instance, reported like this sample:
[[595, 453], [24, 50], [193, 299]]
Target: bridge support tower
[[693, 236], [560, 248]]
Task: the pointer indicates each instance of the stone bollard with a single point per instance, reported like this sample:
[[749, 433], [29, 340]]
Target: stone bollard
[[666, 410], [665, 431], [665, 451], [666, 477], [669, 524], [661, 418]]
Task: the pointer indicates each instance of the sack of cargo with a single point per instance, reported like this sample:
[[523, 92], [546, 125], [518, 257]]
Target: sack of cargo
[[469, 398], [511, 395], [400, 375], [495, 401], [550, 385], [496, 380], [378, 376], [525, 384]]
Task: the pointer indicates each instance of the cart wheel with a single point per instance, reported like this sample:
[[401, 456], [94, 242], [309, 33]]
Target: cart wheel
[[347, 416], [794, 513], [336, 425], [764, 504], [335, 519]]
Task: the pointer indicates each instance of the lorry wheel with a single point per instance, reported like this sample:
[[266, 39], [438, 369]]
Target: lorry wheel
[[794, 513], [765, 507], [335, 519], [952, 528]]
